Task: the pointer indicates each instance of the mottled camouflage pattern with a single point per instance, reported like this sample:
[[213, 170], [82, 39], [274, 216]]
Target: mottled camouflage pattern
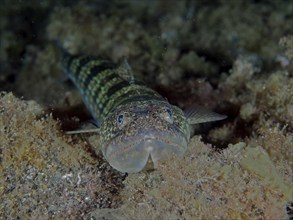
[[143, 115], [146, 114]]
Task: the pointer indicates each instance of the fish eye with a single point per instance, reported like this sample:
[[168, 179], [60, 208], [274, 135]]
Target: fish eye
[[169, 112], [120, 120], [167, 115]]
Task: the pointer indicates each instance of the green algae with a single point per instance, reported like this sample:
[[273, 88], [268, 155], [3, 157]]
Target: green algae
[[224, 55]]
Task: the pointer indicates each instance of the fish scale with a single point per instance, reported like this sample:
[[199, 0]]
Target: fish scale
[[101, 85], [136, 124]]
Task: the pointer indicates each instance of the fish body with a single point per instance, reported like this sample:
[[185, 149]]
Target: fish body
[[135, 122]]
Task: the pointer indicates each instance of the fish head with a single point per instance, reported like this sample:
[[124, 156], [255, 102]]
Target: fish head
[[135, 132]]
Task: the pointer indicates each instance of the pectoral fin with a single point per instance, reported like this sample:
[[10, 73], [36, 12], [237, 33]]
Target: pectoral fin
[[96, 130], [196, 115]]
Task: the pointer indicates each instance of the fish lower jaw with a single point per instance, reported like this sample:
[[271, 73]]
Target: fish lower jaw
[[132, 158], [149, 148]]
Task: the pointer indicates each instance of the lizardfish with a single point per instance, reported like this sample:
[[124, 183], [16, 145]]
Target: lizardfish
[[135, 122]]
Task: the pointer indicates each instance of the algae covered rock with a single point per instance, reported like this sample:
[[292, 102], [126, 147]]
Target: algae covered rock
[[44, 174], [234, 57], [240, 182]]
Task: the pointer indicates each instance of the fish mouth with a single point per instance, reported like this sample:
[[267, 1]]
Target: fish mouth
[[132, 154]]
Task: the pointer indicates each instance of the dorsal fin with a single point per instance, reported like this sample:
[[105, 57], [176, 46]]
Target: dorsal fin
[[124, 70]]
